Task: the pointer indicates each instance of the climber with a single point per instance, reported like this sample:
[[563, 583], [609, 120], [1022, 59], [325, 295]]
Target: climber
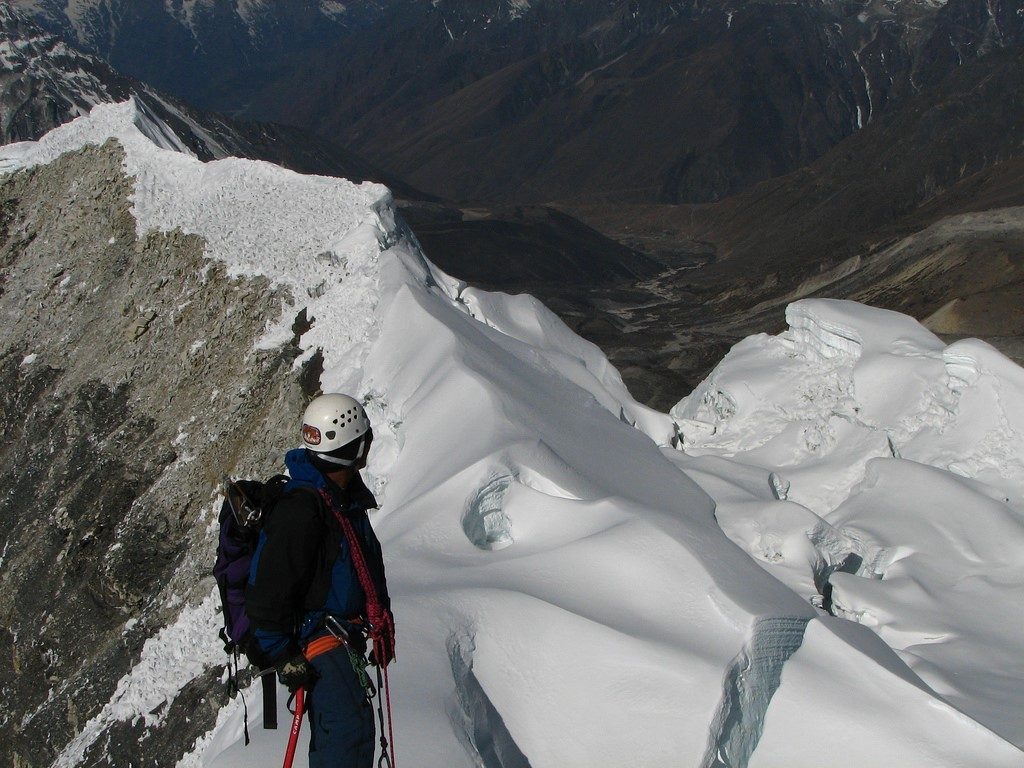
[[316, 584]]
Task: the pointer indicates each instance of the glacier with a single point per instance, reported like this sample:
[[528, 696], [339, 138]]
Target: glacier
[[579, 580], [904, 504]]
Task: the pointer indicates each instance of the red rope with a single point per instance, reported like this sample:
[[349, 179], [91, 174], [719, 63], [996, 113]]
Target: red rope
[[391, 722], [382, 625]]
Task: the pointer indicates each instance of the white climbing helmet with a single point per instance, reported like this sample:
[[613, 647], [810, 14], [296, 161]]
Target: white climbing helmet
[[333, 421]]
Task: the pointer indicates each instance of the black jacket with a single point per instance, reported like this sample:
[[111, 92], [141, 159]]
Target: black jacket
[[302, 568]]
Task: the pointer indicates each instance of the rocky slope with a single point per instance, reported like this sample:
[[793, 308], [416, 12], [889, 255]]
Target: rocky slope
[[116, 348]]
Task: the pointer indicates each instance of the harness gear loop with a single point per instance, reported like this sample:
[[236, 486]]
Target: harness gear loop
[[359, 667]]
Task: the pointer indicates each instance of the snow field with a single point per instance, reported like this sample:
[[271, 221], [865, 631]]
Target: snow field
[[468, 398], [564, 594], [909, 516], [623, 571]]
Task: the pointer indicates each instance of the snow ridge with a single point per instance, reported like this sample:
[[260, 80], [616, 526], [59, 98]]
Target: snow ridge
[[609, 602]]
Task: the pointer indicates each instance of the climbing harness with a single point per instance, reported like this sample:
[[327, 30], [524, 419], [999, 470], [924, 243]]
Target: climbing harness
[[359, 663], [355, 658], [381, 630]]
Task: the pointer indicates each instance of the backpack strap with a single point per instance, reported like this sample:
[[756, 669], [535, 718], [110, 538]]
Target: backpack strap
[[270, 702]]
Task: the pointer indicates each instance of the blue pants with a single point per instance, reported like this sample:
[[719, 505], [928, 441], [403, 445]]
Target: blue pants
[[340, 717]]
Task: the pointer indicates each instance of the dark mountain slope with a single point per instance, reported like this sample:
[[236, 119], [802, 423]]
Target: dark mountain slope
[[535, 249], [640, 101], [590, 100], [717, 127], [922, 211], [944, 153], [46, 82]]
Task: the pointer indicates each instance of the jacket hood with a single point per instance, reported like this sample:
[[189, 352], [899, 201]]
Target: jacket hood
[[303, 473]]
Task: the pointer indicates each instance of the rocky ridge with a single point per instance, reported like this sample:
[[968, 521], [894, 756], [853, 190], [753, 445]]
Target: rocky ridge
[[130, 384]]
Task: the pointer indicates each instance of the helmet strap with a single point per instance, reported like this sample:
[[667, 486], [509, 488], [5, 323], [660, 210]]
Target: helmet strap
[[361, 451]]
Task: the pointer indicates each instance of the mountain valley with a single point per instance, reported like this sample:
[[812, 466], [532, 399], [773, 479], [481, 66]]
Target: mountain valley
[[663, 314], [528, 114]]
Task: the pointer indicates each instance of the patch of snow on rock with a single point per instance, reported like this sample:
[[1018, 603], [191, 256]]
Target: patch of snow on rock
[[170, 659]]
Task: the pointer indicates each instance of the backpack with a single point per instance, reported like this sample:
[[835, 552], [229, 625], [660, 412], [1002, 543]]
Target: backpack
[[247, 504]]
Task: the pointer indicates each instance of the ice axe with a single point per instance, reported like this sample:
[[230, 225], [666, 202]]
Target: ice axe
[[293, 735]]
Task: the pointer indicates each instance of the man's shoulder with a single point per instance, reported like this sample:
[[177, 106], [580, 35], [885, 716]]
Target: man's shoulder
[[297, 505]]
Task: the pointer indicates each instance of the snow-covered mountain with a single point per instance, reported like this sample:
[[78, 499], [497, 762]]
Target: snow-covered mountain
[[94, 20], [46, 82], [566, 593], [188, 47]]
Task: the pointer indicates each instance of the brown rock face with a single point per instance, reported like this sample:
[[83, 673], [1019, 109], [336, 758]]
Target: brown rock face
[[128, 385]]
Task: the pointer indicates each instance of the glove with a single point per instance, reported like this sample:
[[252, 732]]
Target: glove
[[383, 635], [295, 672]]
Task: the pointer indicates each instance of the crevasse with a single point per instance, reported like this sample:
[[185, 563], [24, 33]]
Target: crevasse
[[750, 682]]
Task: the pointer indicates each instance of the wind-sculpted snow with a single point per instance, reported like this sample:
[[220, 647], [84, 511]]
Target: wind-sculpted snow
[[817, 402], [949, 587], [564, 595], [903, 461]]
